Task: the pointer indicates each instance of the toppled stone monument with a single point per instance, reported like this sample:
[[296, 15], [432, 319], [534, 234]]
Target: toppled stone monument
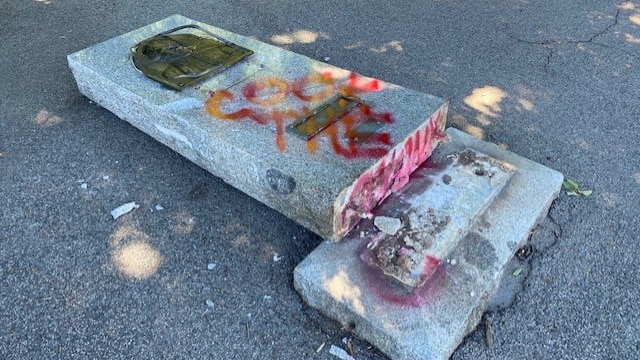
[[320, 144], [426, 230]]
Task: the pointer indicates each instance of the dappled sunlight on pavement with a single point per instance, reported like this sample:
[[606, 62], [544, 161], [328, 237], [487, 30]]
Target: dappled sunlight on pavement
[[298, 36], [467, 127], [132, 253], [46, 118], [394, 45], [632, 39], [490, 102], [634, 19], [486, 100]]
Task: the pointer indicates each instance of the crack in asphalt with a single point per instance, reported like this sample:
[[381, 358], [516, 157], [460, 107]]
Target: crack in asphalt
[[557, 228], [548, 59], [548, 43]]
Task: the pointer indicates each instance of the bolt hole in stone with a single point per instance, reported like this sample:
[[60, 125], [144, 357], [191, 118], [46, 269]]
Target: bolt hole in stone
[[446, 179], [479, 172]]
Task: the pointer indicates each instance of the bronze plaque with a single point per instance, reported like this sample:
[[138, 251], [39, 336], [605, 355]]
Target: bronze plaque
[[179, 60]]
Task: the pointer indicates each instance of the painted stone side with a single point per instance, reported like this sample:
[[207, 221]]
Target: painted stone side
[[388, 175]]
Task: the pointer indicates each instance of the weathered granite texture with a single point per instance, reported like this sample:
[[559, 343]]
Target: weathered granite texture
[[430, 321], [434, 213], [233, 125]]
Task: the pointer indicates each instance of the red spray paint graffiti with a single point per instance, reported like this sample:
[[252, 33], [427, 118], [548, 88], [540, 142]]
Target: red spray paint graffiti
[[388, 289], [263, 95], [390, 174]]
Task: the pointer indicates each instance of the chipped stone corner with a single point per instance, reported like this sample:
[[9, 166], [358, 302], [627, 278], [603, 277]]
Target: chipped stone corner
[[388, 175]]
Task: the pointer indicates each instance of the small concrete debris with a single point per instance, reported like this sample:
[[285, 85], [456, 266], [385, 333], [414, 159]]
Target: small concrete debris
[[347, 341], [388, 225], [159, 207], [276, 257], [105, 178], [326, 58], [123, 209], [210, 303], [84, 186], [488, 332], [321, 347], [340, 353], [211, 266]]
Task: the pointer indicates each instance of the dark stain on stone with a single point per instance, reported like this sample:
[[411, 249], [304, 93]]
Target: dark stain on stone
[[446, 179], [467, 157], [279, 182], [477, 250]]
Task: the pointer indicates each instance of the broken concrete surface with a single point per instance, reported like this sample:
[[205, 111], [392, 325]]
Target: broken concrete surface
[[233, 125], [433, 213], [429, 322]]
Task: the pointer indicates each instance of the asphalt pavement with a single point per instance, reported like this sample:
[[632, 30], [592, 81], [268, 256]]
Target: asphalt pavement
[[556, 82]]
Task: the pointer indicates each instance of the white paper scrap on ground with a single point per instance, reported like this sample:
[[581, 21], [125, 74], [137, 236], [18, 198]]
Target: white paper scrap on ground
[[340, 353], [123, 209]]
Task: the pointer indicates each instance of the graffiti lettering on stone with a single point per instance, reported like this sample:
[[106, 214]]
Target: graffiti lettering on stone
[[275, 101]]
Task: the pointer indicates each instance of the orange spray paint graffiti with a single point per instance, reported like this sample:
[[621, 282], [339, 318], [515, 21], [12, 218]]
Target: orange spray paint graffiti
[[265, 96]]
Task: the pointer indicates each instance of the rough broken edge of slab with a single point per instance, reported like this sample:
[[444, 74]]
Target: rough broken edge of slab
[[387, 175], [433, 213], [430, 322], [280, 180]]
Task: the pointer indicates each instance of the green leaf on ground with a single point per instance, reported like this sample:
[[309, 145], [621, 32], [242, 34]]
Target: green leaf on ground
[[517, 272], [573, 189]]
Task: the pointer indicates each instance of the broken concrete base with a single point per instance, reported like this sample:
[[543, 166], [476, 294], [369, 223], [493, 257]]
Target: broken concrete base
[[429, 322]]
